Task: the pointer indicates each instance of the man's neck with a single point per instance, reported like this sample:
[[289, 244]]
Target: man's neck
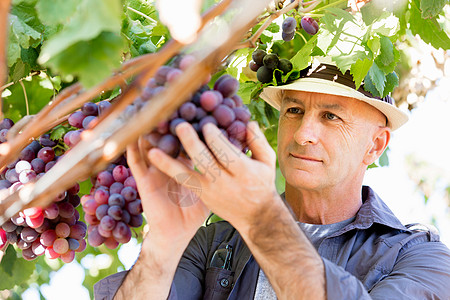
[[326, 206]]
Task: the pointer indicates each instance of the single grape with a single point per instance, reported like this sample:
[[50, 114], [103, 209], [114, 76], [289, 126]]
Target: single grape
[[289, 24], [264, 74], [209, 100], [170, 145], [22, 166], [116, 199], [287, 36], [62, 230], [82, 245], [33, 212], [3, 135], [126, 217], [44, 227], [48, 237], [101, 196], [130, 181], [38, 248], [27, 154], [253, 66], [91, 219], [163, 127], [68, 257], [105, 178], [66, 210], [61, 246], [27, 176], [271, 61], [38, 165], [228, 86], [35, 222], [122, 233], [134, 207], [111, 243], [206, 120], [76, 119], [46, 154], [101, 211], [229, 102], [90, 207], [103, 106], [74, 200], [224, 115], [309, 25], [129, 193], [258, 56], [242, 114], [3, 238], [22, 244], [107, 223], [77, 231], [136, 220], [6, 123], [116, 187], [115, 212], [73, 244], [9, 226], [46, 141], [29, 234], [89, 109], [237, 130], [89, 121], [94, 238], [120, 173], [103, 232], [188, 111], [50, 253], [28, 254], [12, 237]]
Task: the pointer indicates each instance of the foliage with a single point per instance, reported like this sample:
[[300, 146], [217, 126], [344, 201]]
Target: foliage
[[54, 43]]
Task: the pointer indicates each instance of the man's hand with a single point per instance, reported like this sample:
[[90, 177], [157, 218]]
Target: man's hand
[[234, 186]]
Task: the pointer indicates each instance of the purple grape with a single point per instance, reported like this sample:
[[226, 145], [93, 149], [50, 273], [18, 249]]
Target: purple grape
[[76, 119], [116, 187], [224, 115], [116, 199], [46, 154], [27, 176], [94, 237], [242, 114], [48, 237], [170, 145], [107, 223], [253, 66], [44, 227], [9, 226], [28, 254], [238, 100], [161, 75], [12, 165], [77, 231], [136, 220], [46, 141], [120, 173], [29, 235], [38, 165], [163, 127], [209, 100], [287, 36], [103, 106], [130, 181], [49, 165], [88, 120], [73, 244], [289, 24], [229, 102], [27, 154], [122, 233], [115, 212], [309, 25], [74, 137], [196, 98], [134, 207], [66, 209], [3, 135], [188, 111], [11, 237], [105, 178], [4, 184], [101, 196], [129, 193], [15, 187], [258, 56], [12, 176], [173, 74], [228, 86], [101, 211], [22, 244], [89, 109], [237, 130], [6, 124], [51, 211], [35, 146], [200, 114]]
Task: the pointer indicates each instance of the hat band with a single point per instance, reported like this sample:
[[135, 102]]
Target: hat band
[[332, 73]]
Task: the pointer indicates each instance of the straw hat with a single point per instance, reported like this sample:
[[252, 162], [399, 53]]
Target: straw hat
[[328, 79]]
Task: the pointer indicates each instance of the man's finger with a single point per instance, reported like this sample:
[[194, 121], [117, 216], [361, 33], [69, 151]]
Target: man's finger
[[135, 161], [258, 144], [197, 151]]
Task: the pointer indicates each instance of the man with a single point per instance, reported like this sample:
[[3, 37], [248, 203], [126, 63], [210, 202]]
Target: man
[[326, 237]]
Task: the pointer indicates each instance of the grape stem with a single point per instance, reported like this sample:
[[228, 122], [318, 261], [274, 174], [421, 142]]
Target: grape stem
[[26, 97], [2, 88], [332, 4], [4, 10], [142, 15], [251, 41]]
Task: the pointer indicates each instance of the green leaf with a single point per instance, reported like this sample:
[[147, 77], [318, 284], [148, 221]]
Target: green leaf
[[388, 57], [360, 69], [377, 77], [341, 14], [273, 27], [344, 62], [58, 132], [245, 90], [431, 8], [391, 83], [91, 18], [428, 29], [19, 71], [54, 12], [265, 39], [384, 158], [387, 24], [16, 273], [20, 35], [91, 60], [374, 44], [302, 59]]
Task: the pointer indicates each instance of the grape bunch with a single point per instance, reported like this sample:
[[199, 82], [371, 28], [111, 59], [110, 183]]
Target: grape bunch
[[265, 64], [219, 105], [288, 28], [112, 207], [54, 230]]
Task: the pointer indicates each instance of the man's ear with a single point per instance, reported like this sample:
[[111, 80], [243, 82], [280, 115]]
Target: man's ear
[[379, 143]]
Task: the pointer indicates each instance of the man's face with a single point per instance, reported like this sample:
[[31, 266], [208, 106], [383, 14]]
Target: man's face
[[324, 139]]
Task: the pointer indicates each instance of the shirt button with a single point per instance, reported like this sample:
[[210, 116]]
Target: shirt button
[[224, 283]]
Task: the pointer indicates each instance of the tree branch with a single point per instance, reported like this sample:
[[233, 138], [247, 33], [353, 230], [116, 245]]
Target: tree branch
[[4, 11]]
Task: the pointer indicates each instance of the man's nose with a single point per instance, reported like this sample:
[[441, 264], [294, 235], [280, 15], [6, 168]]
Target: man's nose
[[307, 131]]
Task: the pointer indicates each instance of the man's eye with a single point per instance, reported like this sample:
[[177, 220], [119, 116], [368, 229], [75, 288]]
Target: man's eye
[[293, 110], [331, 116]]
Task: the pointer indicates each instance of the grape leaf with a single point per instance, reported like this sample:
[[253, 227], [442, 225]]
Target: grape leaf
[[20, 35], [91, 60], [245, 91], [359, 70], [387, 24], [431, 8], [391, 83], [378, 78], [273, 27], [302, 59], [19, 273], [344, 62], [91, 18], [52, 12], [428, 29], [388, 57]]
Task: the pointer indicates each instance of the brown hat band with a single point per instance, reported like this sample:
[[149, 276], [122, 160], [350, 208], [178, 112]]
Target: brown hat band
[[332, 73]]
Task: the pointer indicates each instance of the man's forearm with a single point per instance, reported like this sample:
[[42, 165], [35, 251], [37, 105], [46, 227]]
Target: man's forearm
[[152, 275], [292, 265]]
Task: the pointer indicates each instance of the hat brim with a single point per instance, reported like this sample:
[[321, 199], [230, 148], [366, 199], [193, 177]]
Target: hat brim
[[273, 96]]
